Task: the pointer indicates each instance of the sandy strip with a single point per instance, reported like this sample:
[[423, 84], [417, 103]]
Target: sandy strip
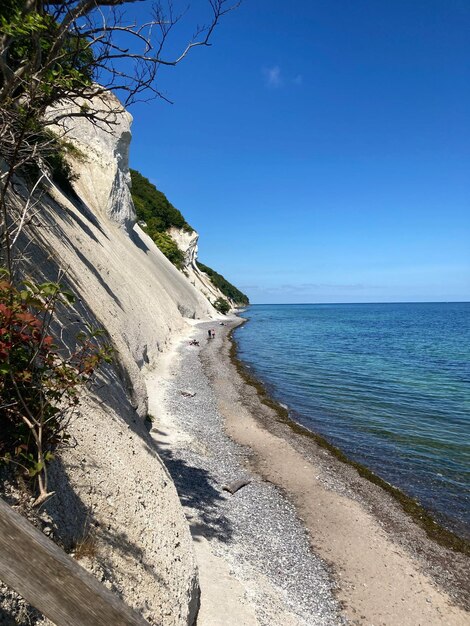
[[257, 564]]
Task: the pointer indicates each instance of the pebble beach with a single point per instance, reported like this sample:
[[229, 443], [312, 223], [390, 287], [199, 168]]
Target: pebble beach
[[304, 540]]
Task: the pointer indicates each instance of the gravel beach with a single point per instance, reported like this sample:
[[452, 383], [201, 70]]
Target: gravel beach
[[305, 541], [256, 531]]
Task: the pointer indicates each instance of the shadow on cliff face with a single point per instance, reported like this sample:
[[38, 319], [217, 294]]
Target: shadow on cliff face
[[43, 257], [6, 619], [94, 272], [68, 190], [136, 239], [72, 521], [75, 525], [203, 503]]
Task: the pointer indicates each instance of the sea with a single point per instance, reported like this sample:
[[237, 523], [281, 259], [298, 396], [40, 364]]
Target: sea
[[388, 384]]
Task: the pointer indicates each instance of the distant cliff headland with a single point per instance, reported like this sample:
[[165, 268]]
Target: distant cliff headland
[[176, 238]]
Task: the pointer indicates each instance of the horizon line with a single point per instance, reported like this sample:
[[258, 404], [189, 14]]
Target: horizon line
[[371, 302]]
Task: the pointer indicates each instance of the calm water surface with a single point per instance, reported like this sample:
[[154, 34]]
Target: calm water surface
[[387, 383]]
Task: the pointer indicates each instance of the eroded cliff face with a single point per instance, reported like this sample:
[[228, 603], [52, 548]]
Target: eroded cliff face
[[102, 161], [188, 243], [111, 485]]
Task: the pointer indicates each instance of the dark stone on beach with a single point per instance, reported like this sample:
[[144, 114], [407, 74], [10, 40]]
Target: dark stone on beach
[[236, 485]]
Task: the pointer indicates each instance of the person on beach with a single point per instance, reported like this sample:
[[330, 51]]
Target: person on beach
[[213, 334], [209, 332]]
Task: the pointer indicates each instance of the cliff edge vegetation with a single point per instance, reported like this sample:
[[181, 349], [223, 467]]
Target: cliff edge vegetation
[[157, 215], [162, 221], [229, 290]]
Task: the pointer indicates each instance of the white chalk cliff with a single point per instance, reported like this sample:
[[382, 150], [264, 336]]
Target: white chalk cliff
[[188, 243], [111, 482]]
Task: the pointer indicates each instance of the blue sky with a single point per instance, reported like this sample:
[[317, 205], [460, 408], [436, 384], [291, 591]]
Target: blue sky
[[322, 149]]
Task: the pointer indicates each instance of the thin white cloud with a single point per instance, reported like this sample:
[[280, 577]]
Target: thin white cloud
[[273, 76]]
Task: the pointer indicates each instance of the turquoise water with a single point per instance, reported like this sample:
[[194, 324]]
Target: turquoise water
[[387, 383]]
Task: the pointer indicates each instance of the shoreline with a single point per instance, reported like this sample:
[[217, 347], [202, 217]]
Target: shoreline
[[378, 565], [417, 512]]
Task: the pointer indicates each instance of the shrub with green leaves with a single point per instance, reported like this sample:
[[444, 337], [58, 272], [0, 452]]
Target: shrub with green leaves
[[31, 36], [39, 383], [222, 305], [153, 207], [169, 248], [158, 215], [229, 290]]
